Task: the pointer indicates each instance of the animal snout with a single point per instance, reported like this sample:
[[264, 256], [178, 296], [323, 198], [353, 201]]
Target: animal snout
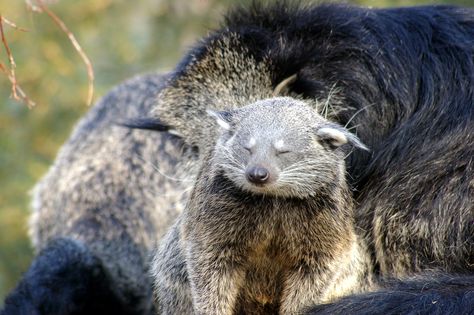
[[257, 175]]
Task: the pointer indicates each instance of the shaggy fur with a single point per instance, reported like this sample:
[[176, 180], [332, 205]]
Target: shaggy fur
[[112, 192], [66, 278], [249, 247], [433, 294], [401, 79]]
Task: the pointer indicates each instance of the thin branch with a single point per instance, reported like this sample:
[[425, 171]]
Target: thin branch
[[21, 95], [17, 92], [10, 23], [10, 59]]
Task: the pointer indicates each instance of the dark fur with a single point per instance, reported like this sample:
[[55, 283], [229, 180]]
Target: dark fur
[[406, 80], [275, 248], [66, 278], [406, 75], [105, 195], [432, 294], [145, 124]]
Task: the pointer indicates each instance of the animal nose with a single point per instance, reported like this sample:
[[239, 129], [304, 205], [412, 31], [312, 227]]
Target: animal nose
[[258, 175]]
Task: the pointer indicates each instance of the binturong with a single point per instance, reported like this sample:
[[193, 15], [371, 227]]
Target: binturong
[[269, 226], [281, 147]]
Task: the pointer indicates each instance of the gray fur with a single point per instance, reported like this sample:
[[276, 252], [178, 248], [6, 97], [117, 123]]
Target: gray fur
[[114, 190], [224, 79], [279, 247], [415, 188]]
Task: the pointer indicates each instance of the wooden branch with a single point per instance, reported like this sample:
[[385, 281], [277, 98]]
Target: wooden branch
[[17, 92]]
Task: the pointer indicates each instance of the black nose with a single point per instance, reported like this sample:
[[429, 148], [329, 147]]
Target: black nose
[[257, 175]]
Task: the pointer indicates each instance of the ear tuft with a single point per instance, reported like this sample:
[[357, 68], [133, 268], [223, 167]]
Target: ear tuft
[[356, 142], [340, 136], [154, 124], [222, 118], [334, 136]]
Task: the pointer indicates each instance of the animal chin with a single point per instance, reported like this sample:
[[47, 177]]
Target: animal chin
[[258, 188], [268, 189]]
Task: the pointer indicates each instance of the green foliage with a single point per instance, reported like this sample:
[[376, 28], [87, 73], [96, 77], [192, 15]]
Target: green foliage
[[122, 38]]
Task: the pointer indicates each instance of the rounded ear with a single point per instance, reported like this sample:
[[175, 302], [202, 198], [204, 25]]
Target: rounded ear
[[223, 118], [338, 136]]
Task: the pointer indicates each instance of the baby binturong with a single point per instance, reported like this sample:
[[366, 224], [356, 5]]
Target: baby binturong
[[269, 226]]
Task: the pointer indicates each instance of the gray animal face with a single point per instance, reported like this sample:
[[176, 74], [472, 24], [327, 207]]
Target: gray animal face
[[280, 147]]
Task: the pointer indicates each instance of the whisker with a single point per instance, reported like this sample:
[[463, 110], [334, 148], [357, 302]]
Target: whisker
[[232, 168], [156, 168], [297, 168], [306, 167], [348, 154], [230, 155], [300, 164], [327, 103], [234, 163], [357, 113], [302, 172], [178, 193], [353, 127]]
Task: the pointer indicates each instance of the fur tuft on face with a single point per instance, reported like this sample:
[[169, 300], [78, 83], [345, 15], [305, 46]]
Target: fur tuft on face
[[222, 118]]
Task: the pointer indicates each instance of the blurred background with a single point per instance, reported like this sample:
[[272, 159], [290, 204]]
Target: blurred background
[[122, 38]]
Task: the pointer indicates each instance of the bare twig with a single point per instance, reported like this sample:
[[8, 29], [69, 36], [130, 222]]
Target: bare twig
[[40, 7], [10, 59], [17, 91], [10, 23]]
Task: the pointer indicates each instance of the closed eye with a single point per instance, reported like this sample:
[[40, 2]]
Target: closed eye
[[279, 152]]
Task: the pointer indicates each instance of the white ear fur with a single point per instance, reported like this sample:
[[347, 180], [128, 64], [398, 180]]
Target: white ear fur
[[175, 132], [218, 117], [357, 143], [336, 137]]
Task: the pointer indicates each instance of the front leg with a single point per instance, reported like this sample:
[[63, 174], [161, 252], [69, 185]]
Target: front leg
[[216, 274], [302, 288], [172, 288]]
